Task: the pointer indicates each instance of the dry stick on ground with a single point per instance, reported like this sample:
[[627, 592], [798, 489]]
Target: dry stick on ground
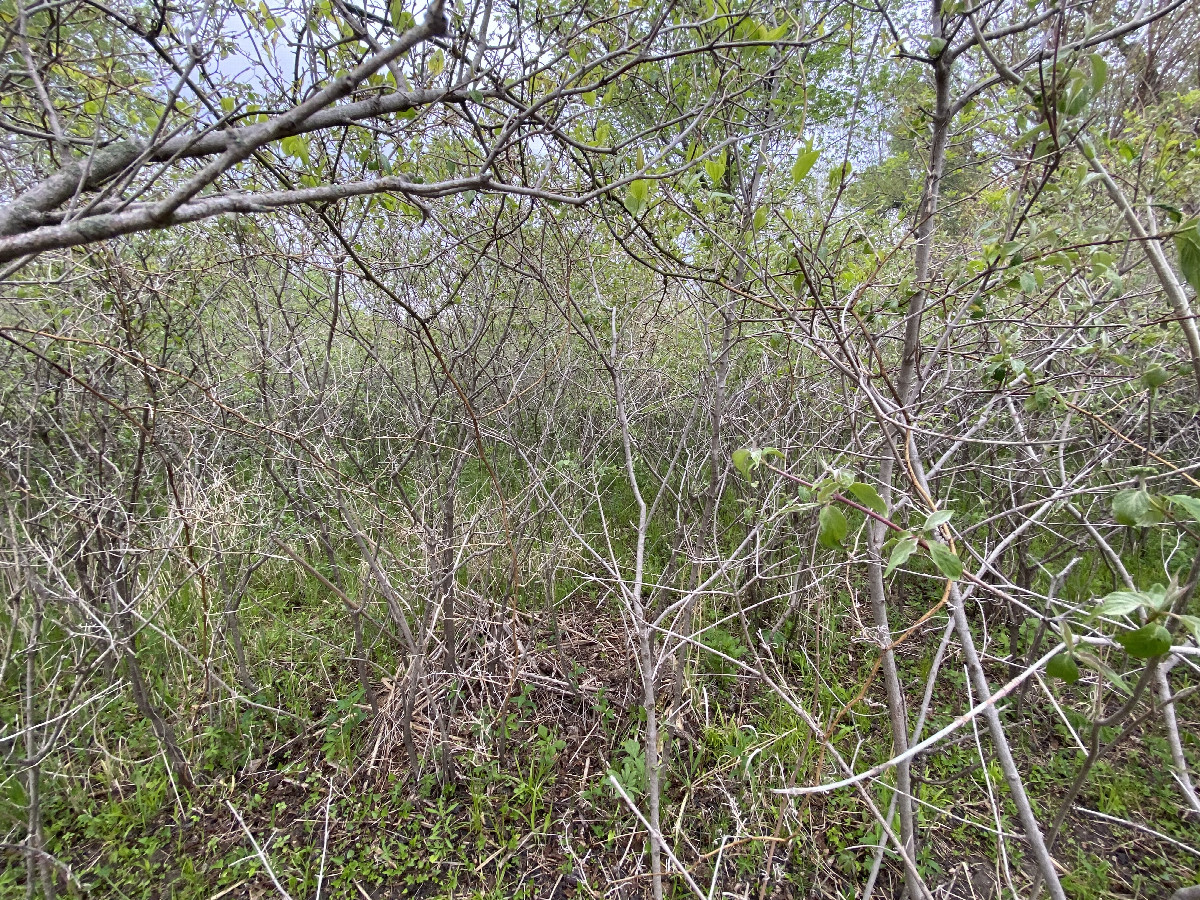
[[258, 851], [656, 837]]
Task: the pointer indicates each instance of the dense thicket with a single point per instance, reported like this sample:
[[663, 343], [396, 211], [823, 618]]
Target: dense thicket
[[564, 449]]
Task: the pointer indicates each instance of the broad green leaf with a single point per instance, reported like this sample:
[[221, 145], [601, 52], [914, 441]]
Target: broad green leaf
[[741, 461], [1148, 641], [1188, 244], [1063, 666], [714, 167], [833, 527], [803, 164], [900, 553], [637, 196], [437, 62], [402, 20], [946, 560], [295, 146], [1155, 377], [1174, 213], [1099, 71], [868, 497], [937, 518], [1133, 507], [1191, 505], [1041, 399], [1077, 102], [826, 489], [1122, 603], [1157, 595], [936, 46], [760, 218]]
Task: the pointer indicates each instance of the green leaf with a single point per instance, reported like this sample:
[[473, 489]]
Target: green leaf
[[803, 164], [868, 497], [1190, 504], [295, 146], [637, 196], [937, 518], [839, 174], [1121, 603], [1147, 642], [402, 20], [833, 527], [1157, 596], [1077, 102], [1133, 507], [1174, 213], [1063, 666], [1099, 71], [935, 47], [741, 461], [1041, 399], [1155, 377], [946, 560], [714, 167], [476, 95], [1188, 244], [437, 63], [900, 553], [760, 218]]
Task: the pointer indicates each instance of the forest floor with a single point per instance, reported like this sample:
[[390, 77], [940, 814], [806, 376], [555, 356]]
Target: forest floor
[[330, 809]]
